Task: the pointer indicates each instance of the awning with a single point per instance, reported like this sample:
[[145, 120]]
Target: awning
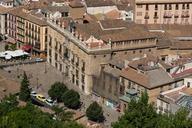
[[26, 47]]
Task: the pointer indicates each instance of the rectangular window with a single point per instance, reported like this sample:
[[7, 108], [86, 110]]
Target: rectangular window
[[45, 30], [139, 13], [176, 7], [187, 6], [155, 15], [183, 6], [165, 7], [170, 6], [147, 7], [156, 7], [139, 6]]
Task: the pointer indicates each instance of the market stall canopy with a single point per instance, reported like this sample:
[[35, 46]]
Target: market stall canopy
[[11, 54]]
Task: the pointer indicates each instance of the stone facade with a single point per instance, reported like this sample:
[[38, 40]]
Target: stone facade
[[81, 62]]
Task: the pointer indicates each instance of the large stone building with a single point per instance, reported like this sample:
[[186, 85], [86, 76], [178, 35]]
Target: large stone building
[[79, 50], [163, 11]]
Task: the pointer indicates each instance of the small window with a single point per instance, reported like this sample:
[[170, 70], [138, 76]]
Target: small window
[[139, 13], [188, 84], [156, 7], [114, 54], [170, 6], [139, 6], [165, 7], [183, 6], [133, 52], [155, 14], [176, 7], [147, 7], [149, 50], [125, 53], [104, 55], [140, 51], [187, 6]]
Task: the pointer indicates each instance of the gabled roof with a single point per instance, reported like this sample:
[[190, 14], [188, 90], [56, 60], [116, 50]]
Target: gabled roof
[[56, 9], [19, 11], [150, 79]]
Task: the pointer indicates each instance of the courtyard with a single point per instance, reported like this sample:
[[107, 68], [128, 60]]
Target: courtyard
[[43, 75]]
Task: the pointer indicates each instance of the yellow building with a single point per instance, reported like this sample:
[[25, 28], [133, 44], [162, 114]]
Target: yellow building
[[27, 29]]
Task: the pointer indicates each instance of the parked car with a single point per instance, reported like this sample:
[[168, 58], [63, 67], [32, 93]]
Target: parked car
[[33, 93], [40, 97], [38, 59], [49, 102]]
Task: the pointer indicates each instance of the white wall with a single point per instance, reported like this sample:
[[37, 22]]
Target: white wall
[[188, 81], [103, 9], [127, 15]]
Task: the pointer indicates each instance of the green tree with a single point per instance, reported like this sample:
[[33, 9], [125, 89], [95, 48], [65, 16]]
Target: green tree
[[13, 47], [62, 115], [71, 99], [8, 104], [24, 94], [140, 114], [94, 112], [57, 90], [32, 117]]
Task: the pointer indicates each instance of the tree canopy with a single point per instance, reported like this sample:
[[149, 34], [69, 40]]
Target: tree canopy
[[24, 94], [29, 116], [57, 90], [71, 99], [140, 114], [94, 112]]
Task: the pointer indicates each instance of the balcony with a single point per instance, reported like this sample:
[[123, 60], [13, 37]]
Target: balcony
[[167, 16], [185, 16], [176, 16], [146, 17], [155, 17]]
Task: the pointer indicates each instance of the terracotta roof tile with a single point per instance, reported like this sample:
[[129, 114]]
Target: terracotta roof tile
[[113, 14], [76, 4], [19, 11]]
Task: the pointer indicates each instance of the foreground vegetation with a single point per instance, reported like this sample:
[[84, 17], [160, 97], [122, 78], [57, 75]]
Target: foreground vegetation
[[143, 115], [29, 116]]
